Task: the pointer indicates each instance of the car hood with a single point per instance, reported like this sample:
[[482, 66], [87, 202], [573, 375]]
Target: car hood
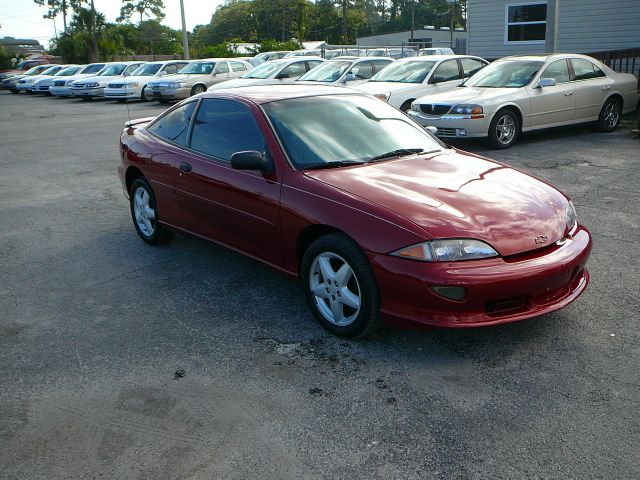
[[457, 195], [102, 79], [470, 94], [386, 87], [141, 78], [243, 82], [15, 78]]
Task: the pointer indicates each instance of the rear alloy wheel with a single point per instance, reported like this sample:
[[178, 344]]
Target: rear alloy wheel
[[145, 214], [609, 117], [504, 129], [198, 89], [340, 288]]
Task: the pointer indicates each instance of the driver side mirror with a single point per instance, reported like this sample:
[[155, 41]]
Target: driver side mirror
[[162, 73], [282, 76], [546, 82], [350, 77], [249, 160]]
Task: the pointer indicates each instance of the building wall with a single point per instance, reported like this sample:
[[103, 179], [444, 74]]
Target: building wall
[[583, 26], [441, 38]]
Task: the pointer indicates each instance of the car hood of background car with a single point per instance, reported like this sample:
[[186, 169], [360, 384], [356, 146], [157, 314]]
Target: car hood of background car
[[470, 95], [457, 195], [386, 87], [103, 80], [243, 82]]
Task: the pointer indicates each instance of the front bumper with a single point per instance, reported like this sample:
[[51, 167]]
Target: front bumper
[[41, 88], [454, 126], [88, 92], [166, 93], [498, 290], [24, 87], [60, 91], [8, 86], [119, 93]]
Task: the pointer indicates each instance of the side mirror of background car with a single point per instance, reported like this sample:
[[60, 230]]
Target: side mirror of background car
[[282, 75], [350, 77], [162, 73], [431, 129], [546, 82], [250, 160]]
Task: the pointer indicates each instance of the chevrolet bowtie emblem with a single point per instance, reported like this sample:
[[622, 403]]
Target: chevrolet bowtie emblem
[[540, 239]]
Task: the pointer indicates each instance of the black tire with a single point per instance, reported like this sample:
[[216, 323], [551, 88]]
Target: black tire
[[496, 136], [406, 106], [163, 102], [196, 89], [366, 319], [15, 90], [143, 94], [86, 99], [610, 116], [159, 234]]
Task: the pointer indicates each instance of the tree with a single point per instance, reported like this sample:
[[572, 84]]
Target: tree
[[148, 7], [55, 7]]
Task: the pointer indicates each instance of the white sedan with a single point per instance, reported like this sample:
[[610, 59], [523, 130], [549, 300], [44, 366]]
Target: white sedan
[[43, 85], [133, 86], [274, 72], [92, 87], [409, 78], [26, 84], [62, 87], [345, 71], [525, 93]]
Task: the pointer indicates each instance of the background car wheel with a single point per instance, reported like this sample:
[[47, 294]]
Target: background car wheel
[[198, 89], [340, 288], [86, 99], [15, 91], [406, 106], [164, 102], [145, 214], [609, 117], [143, 94], [504, 129]]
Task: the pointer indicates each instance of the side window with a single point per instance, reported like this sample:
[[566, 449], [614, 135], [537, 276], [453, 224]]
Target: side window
[[174, 126], [313, 64], [558, 70], [583, 69], [446, 71], [170, 68], [363, 70], [223, 127], [471, 66], [238, 67], [380, 64], [222, 67], [294, 70]]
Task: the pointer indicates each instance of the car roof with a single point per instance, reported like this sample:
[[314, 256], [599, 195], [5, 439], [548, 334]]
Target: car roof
[[269, 93], [431, 58]]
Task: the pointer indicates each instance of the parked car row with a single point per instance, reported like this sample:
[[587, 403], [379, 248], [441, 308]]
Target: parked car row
[[460, 96]]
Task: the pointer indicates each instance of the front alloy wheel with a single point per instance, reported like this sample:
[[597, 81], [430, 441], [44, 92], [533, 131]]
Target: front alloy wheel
[[340, 287], [145, 214], [504, 129]]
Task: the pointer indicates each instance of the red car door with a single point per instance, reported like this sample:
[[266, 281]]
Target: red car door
[[238, 208]]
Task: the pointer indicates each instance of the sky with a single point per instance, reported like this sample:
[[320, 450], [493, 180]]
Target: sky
[[23, 18]]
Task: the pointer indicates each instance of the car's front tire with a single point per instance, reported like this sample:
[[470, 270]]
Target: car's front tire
[[609, 117], [504, 129], [340, 288], [144, 214], [143, 94], [198, 89]]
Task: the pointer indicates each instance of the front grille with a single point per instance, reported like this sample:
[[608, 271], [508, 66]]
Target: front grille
[[434, 109], [77, 85], [59, 83], [506, 305], [116, 85], [446, 132]]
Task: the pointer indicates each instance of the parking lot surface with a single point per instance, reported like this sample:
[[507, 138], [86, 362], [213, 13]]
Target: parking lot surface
[[120, 360]]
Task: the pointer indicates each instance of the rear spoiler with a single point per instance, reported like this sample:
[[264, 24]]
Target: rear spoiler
[[138, 121]]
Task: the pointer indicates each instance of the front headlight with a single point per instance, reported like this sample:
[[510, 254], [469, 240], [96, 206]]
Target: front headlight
[[447, 250], [382, 96], [177, 84], [132, 84], [466, 109], [571, 217], [93, 85]]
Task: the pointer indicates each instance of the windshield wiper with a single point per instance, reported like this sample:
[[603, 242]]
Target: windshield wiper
[[336, 164], [401, 152]]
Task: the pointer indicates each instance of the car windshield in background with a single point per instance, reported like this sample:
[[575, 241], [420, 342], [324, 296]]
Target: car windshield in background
[[335, 130], [110, 70], [507, 74], [404, 72], [327, 72], [34, 70], [66, 72], [199, 68], [50, 70], [130, 69], [93, 68], [266, 70], [147, 70]]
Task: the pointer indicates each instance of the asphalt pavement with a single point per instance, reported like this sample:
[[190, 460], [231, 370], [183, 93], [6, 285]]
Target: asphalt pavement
[[120, 360]]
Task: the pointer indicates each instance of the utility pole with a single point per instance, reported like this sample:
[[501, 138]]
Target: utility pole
[[413, 18], [185, 39], [452, 7], [345, 28], [64, 15], [95, 33]]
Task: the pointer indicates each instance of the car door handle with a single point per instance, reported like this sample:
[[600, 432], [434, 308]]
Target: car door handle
[[185, 167], [568, 94]]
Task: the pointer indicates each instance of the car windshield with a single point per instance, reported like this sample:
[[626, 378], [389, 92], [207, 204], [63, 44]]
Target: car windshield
[[404, 72], [51, 70], [93, 68], [110, 70], [36, 70], [65, 72], [344, 129], [505, 74], [327, 72], [198, 68], [147, 70], [266, 70]]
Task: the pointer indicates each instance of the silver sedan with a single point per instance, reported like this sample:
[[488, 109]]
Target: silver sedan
[[526, 93]]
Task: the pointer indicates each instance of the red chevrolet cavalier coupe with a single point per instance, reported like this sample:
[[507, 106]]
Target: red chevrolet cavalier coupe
[[377, 217]]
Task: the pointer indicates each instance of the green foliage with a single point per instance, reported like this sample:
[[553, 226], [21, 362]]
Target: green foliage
[[217, 51], [141, 7], [5, 59]]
